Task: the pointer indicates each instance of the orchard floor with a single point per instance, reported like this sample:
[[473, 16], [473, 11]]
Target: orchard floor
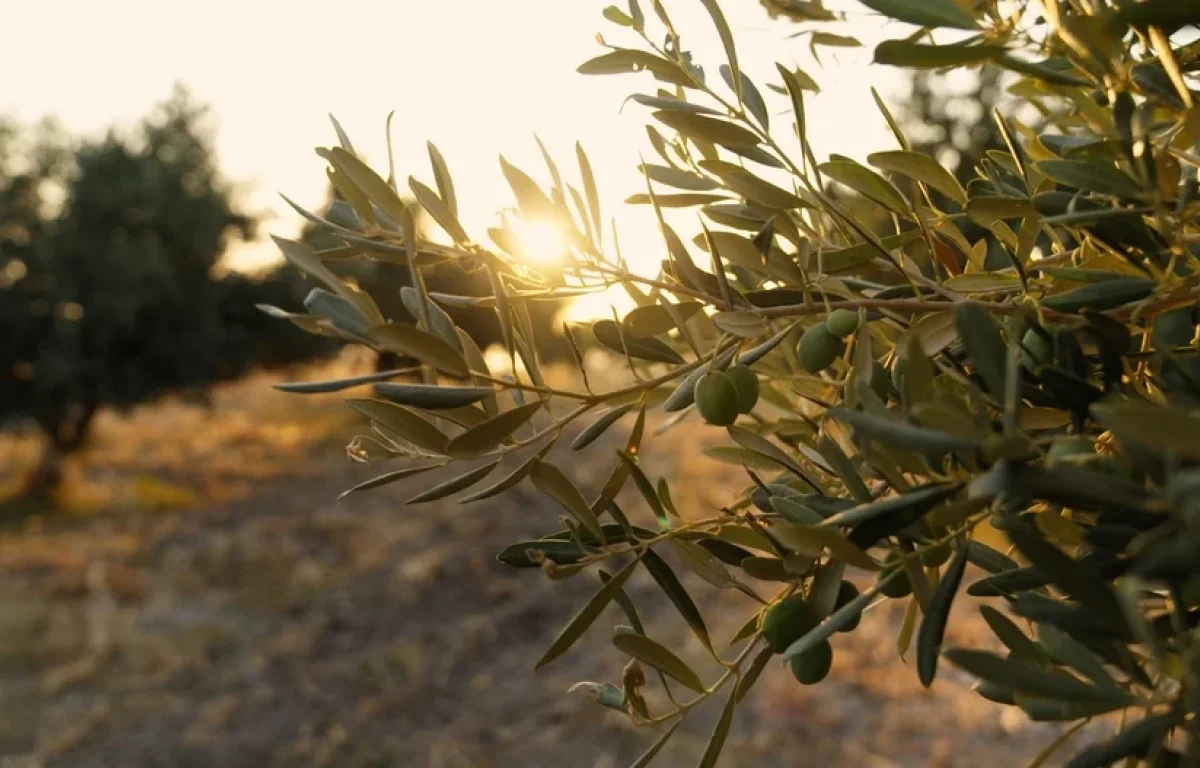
[[264, 623]]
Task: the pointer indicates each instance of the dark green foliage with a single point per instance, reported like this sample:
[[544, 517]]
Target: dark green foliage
[[115, 296]]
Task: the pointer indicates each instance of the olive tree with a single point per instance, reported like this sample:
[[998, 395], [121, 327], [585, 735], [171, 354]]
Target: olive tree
[[891, 389]]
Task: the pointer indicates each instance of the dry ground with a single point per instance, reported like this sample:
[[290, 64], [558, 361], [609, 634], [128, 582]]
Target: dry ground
[[214, 605]]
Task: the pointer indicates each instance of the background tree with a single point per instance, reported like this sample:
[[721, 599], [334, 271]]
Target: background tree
[[111, 293]]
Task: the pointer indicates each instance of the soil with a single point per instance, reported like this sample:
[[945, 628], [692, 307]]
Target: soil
[[282, 627]]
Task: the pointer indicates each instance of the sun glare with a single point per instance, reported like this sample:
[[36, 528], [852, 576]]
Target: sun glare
[[542, 241]]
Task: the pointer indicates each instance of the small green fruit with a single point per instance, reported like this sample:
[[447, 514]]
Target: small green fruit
[[847, 592], [898, 587], [818, 349], [746, 383], [788, 621], [842, 322], [716, 398], [812, 666]]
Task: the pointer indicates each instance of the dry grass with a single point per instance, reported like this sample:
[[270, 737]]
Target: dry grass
[[250, 620]]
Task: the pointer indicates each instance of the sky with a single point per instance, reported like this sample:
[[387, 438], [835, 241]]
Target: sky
[[477, 77]]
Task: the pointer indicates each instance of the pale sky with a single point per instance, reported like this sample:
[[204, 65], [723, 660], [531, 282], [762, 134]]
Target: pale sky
[[478, 77]]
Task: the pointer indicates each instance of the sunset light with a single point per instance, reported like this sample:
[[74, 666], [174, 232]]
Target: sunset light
[[541, 240]]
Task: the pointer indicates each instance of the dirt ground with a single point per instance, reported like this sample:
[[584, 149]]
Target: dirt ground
[[267, 624]]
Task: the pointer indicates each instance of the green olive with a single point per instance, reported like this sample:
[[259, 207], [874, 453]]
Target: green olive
[[745, 381], [818, 349], [787, 621], [898, 587], [847, 592], [813, 665], [716, 398], [842, 322]]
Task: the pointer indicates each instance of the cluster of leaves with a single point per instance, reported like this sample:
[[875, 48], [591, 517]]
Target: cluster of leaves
[[890, 392], [111, 297]]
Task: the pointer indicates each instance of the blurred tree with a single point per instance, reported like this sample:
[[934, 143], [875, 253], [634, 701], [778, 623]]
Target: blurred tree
[[109, 293]]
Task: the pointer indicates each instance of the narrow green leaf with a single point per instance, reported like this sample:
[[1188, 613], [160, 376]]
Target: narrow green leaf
[[867, 183], [753, 672], [924, 13], [608, 334], [984, 282], [589, 189], [726, 35], [403, 422], [1134, 740], [483, 437], [982, 340], [1101, 296], [1026, 677], [645, 487], [438, 209], [372, 184], [454, 484], [709, 129], [922, 168], [600, 426], [509, 480], [652, 653], [1069, 652], [902, 53], [1011, 635], [703, 563], [813, 540], [841, 259], [1091, 176], [669, 583], [625, 60], [933, 626], [671, 103], [1157, 428], [550, 480], [1077, 580], [587, 614], [431, 397], [533, 201], [411, 341], [716, 742], [653, 320], [337, 385], [657, 746], [901, 434], [760, 445], [390, 477]]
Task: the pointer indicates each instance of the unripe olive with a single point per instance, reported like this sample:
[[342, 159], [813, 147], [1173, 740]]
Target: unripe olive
[[787, 621], [818, 349], [746, 383], [842, 322], [847, 592], [811, 667], [716, 398], [898, 587]]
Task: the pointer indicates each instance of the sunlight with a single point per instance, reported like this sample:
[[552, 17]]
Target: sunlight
[[541, 239]]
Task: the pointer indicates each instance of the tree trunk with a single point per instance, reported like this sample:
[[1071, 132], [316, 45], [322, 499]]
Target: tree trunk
[[64, 435]]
